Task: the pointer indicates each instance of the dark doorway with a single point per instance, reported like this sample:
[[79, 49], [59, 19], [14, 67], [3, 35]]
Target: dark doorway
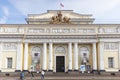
[[60, 63]]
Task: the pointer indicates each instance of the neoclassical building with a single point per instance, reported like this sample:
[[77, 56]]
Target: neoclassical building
[[59, 41]]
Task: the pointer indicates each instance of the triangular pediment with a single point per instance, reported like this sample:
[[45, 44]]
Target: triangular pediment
[[45, 18]]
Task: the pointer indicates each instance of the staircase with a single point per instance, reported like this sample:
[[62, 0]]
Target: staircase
[[65, 76]]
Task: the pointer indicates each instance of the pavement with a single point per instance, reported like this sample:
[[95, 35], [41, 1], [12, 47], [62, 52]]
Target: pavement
[[66, 78]]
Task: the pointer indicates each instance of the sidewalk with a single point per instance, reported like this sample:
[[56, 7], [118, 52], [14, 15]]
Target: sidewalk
[[66, 78]]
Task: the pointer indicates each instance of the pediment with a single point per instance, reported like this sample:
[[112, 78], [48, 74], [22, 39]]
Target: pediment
[[64, 14]]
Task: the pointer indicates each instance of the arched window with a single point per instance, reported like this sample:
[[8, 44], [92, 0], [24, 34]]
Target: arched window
[[84, 55], [36, 52]]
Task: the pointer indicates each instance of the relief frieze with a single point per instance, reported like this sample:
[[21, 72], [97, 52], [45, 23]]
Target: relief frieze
[[9, 46], [60, 30]]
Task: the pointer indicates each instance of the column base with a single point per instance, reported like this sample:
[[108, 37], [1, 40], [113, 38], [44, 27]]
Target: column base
[[45, 70], [76, 70], [69, 70], [17, 70], [25, 71], [50, 70], [101, 70], [94, 71]]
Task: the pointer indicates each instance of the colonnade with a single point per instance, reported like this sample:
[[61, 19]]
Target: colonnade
[[19, 57]]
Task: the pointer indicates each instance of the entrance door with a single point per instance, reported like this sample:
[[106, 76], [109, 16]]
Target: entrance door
[[60, 65]]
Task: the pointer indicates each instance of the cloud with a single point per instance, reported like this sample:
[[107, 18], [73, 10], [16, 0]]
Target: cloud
[[31, 6], [4, 19], [99, 8], [35, 6]]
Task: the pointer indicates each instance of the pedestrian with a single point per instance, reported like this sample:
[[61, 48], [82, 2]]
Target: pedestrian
[[22, 75], [42, 75], [31, 73], [37, 68]]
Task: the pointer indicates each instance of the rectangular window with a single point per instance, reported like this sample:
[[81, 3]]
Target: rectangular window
[[110, 62], [9, 62]]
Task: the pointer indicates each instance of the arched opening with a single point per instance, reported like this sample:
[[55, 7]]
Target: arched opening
[[84, 58], [35, 57]]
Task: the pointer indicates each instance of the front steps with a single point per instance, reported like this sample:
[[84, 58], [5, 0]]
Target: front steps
[[64, 76]]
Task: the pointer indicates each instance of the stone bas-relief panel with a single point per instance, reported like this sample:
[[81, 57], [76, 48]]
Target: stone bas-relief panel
[[111, 46], [9, 46]]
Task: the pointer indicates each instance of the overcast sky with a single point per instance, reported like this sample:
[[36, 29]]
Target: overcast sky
[[15, 11]]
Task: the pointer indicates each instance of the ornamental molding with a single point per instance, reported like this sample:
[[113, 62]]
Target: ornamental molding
[[60, 30], [60, 40], [108, 35], [109, 40], [62, 37], [11, 40]]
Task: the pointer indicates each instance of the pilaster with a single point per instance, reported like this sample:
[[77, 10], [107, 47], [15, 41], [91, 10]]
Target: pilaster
[[19, 58], [0, 55], [94, 58], [75, 56], [101, 53], [44, 67], [69, 56], [26, 57], [50, 56]]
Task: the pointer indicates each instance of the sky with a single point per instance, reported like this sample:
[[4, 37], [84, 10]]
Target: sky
[[15, 11]]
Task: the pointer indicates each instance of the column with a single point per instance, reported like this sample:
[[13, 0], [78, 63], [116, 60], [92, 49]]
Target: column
[[94, 57], [19, 58], [76, 56], [0, 56], [69, 56], [50, 56], [119, 56], [26, 57], [101, 53], [44, 56]]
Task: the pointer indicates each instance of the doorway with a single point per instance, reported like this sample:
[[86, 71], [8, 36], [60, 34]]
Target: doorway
[[60, 64]]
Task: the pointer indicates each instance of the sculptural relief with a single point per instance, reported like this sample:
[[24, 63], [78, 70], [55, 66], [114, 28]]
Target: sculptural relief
[[59, 19]]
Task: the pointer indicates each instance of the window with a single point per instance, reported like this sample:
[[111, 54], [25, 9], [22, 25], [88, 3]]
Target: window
[[36, 54], [110, 62], [9, 62]]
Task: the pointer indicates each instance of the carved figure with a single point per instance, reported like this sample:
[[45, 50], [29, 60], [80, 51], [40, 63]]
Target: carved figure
[[59, 16], [58, 19], [66, 19]]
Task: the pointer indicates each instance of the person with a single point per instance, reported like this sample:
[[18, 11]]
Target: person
[[37, 68], [42, 75], [31, 73], [22, 75]]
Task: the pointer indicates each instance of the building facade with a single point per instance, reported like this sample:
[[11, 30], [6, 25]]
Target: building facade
[[59, 41]]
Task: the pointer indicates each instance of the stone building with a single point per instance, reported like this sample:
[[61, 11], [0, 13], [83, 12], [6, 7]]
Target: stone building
[[59, 41]]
